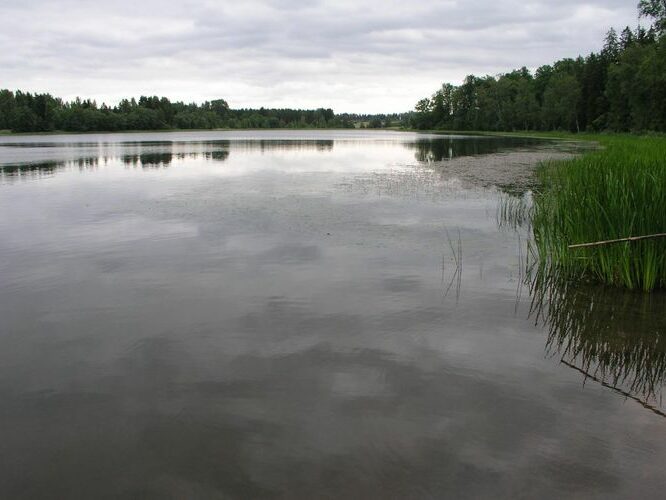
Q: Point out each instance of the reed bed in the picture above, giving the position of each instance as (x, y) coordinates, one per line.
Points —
(611, 193)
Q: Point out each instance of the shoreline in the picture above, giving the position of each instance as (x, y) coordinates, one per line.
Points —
(7, 133)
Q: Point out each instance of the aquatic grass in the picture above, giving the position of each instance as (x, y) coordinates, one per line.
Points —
(513, 212)
(615, 192)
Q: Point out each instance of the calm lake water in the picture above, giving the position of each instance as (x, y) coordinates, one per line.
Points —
(306, 315)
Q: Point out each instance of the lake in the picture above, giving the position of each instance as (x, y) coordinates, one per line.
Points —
(307, 314)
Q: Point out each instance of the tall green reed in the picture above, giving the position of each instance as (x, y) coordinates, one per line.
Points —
(615, 192)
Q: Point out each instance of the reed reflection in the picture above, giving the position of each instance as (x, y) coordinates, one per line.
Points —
(616, 337)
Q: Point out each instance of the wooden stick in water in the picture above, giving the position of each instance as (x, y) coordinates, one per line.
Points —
(620, 240)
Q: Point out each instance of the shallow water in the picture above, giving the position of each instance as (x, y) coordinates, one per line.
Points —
(303, 315)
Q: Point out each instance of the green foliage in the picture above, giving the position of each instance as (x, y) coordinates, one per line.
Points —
(622, 88)
(616, 192)
(375, 123)
(25, 112)
(560, 102)
(636, 89)
(656, 9)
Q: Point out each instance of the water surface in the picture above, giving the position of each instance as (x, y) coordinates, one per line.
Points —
(306, 315)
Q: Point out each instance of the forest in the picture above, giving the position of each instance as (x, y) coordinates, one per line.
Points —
(621, 88)
(27, 112)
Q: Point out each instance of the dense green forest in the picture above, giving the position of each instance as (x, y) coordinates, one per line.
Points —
(26, 112)
(622, 88)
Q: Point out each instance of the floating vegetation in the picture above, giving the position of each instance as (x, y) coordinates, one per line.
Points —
(617, 192)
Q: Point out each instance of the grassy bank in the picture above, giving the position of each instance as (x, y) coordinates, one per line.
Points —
(615, 192)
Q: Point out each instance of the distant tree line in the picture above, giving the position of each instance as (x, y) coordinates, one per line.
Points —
(27, 112)
(621, 88)
(381, 120)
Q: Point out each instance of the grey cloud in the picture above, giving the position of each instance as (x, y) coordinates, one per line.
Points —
(370, 56)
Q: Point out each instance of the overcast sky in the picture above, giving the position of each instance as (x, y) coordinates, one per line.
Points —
(351, 55)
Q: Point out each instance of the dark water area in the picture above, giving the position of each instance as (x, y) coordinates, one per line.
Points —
(298, 314)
